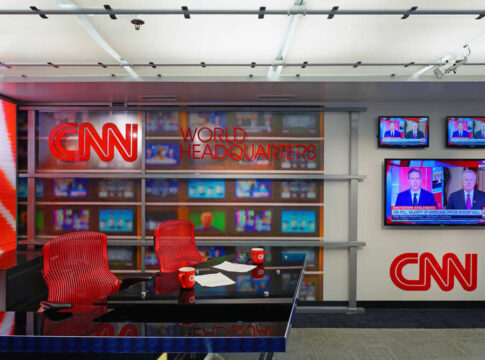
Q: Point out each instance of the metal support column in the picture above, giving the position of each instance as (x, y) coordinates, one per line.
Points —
(143, 193)
(353, 210)
(31, 218)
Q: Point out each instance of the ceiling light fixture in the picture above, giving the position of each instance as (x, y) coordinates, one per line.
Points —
(138, 22)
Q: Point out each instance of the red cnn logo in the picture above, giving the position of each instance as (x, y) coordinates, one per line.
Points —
(428, 267)
(89, 138)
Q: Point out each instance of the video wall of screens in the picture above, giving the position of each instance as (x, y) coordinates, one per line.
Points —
(244, 220)
(234, 140)
(229, 190)
(59, 146)
(465, 131)
(59, 219)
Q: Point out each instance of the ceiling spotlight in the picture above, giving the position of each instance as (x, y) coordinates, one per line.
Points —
(138, 22)
(451, 63)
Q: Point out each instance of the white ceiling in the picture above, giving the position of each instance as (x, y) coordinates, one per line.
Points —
(238, 39)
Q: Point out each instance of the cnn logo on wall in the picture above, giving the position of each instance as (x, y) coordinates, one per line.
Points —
(429, 269)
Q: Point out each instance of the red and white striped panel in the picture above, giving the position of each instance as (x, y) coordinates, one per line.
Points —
(7, 175)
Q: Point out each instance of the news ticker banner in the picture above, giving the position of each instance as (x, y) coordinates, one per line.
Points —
(427, 213)
(7, 175)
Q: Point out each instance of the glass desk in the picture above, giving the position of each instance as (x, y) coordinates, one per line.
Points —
(155, 316)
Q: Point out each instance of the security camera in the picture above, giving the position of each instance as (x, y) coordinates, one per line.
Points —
(450, 65)
(138, 22)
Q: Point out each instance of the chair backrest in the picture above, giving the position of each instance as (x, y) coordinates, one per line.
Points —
(76, 268)
(175, 245)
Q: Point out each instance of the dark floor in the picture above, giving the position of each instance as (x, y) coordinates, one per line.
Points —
(398, 318)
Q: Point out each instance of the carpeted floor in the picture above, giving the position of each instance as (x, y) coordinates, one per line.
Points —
(397, 319)
(385, 344)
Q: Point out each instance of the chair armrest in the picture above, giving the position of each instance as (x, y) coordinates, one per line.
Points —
(133, 279)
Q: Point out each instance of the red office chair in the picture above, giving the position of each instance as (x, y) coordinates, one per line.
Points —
(76, 269)
(175, 245)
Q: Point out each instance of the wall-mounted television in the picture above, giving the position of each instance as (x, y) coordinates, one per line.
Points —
(254, 122)
(116, 220)
(298, 189)
(71, 219)
(298, 221)
(162, 188)
(120, 189)
(403, 131)
(292, 159)
(207, 119)
(22, 188)
(151, 258)
(253, 220)
(208, 221)
(155, 218)
(162, 154)
(162, 122)
(253, 189)
(206, 189)
(72, 188)
(119, 256)
(434, 192)
(465, 131)
(300, 123)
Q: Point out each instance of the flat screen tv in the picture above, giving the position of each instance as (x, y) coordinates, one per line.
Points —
(299, 189)
(253, 189)
(162, 188)
(162, 121)
(119, 189)
(208, 221)
(465, 131)
(403, 131)
(162, 154)
(22, 188)
(290, 160)
(71, 188)
(253, 220)
(120, 256)
(71, 219)
(207, 119)
(206, 189)
(298, 221)
(434, 192)
(155, 218)
(254, 122)
(116, 220)
(300, 123)
(151, 258)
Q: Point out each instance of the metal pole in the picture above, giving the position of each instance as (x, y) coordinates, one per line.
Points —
(143, 193)
(31, 155)
(353, 213)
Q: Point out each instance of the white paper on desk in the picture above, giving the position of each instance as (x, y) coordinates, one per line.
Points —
(231, 267)
(213, 280)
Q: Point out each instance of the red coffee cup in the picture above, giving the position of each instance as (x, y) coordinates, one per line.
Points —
(258, 272)
(187, 277)
(187, 296)
(257, 255)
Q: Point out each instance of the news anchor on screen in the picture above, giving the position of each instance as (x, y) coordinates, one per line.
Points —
(481, 133)
(415, 195)
(414, 133)
(460, 132)
(467, 198)
(392, 132)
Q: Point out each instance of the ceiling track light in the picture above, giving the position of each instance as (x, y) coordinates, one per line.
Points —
(407, 13)
(111, 14)
(262, 11)
(5, 65)
(480, 16)
(409, 64)
(36, 10)
(357, 64)
(185, 10)
(305, 63)
(332, 13)
(102, 65)
(152, 64)
(253, 64)
(202, 63)
(53, 65)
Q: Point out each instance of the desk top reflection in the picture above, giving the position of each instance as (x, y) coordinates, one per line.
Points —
(269, 283)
